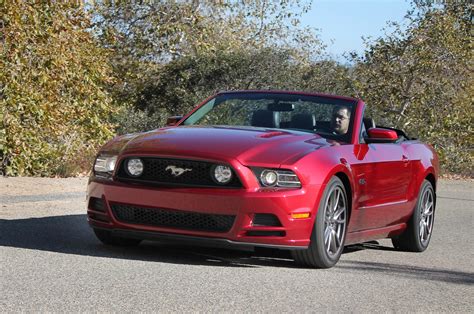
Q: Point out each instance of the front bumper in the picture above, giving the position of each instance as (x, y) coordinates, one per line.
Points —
(242, 203)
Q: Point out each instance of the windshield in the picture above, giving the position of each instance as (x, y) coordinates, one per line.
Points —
(329, 117)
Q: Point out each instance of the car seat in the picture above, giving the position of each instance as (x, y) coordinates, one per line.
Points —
(303, 121)
(266, 119)
(369, 123)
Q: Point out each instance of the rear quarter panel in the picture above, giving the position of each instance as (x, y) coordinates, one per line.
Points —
(425, 162)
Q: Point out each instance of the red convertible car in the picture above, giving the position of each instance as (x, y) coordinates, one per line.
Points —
(304, 172)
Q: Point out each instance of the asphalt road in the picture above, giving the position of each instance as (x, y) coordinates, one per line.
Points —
(51, 261)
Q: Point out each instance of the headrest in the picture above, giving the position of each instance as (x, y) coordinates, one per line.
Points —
(266, 119)
(369, 123)
(303, 121)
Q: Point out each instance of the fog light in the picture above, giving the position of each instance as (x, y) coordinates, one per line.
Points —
(269, 177)
(135, 167)
(222, 174)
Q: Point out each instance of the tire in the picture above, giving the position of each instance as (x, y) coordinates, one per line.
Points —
(416, 237)
(107, 238)
(329, 230)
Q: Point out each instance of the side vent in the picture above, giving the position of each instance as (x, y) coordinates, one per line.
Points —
(97, 204)
(97, 210)
(266, 220)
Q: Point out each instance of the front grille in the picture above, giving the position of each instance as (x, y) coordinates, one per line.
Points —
(172, 219)
(198, 173)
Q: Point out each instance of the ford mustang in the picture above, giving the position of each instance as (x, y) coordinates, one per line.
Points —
(298, 171)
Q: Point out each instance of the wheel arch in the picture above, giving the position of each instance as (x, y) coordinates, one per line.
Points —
(432, 179)
(430, 176)
(326, 167)
(344, 173)
(347, 185)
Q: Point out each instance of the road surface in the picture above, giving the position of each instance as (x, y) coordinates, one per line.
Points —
(51, 261)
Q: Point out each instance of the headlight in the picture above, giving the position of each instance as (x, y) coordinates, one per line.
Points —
(221, 174)
(135, 167)
(105, 164)
(276, 177)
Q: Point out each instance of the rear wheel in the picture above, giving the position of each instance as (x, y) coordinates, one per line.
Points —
(418, 233)
(329, 231)
(106, 237)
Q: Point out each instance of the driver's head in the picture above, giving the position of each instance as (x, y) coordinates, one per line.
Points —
(340, 119)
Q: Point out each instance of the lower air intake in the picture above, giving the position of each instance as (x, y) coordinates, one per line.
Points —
(266, 220)
(96, 204)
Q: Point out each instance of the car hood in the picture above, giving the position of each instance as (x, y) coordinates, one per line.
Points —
(248, 145)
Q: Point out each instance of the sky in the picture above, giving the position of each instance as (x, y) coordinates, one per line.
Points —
(342, 23)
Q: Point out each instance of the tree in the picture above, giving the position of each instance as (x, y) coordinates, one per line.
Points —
(419, 78)
(148, 35)
(54, 105)
(180, 84)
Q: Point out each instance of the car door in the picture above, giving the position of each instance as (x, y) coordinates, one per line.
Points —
(383, 188)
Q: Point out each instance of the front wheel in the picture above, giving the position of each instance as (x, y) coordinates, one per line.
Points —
(418, 233)
(329, 231)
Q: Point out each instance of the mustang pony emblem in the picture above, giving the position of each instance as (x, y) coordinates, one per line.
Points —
(176, 171)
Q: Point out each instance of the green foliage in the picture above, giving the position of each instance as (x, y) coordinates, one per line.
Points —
(179, 85)
(60, 74)
(55, 110)
(170, 55)
(146, 36)
(420, 79)
(131, 120)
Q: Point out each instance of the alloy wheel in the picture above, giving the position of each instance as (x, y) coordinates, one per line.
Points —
(335, 221)
(426, 216)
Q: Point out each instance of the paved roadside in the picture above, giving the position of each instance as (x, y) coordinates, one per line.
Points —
(51, 261)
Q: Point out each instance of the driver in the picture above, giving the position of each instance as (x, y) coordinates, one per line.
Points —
(340, 120)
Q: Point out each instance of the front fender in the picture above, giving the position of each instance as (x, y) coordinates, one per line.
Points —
(317, 169)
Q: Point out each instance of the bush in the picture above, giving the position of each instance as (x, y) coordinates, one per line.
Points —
(131, 120)
(55, 109)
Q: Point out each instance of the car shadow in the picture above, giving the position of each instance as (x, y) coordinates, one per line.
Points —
(370, 245)
(70, 234)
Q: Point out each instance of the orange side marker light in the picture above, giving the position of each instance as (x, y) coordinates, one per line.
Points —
(300, 215)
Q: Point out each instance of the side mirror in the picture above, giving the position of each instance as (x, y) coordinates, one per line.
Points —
(173, 120)
(379, 135)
